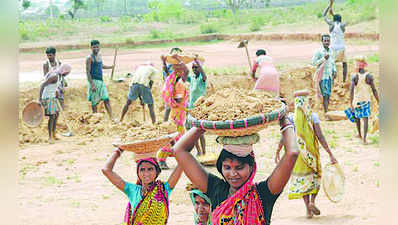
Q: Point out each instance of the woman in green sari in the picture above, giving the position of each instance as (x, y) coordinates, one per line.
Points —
(306, 176)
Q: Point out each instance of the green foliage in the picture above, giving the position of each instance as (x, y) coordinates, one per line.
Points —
(125, 19)
(192, 16)
(169, 10)
(55, 9)
(373, 58)
(156, 34)
(356, 11)
(209, 28)
(26, 4)
(256, 23)
(173, 13)
(105, 19)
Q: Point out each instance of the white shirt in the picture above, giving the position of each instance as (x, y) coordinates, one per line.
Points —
(144, 74)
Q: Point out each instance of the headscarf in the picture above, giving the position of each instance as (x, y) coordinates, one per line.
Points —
(302, 103)
(155, 202)
(192, 194)
(151, 160)
(243, 207)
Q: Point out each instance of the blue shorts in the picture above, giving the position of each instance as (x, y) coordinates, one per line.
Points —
(326, 87)
(361, 111)
(142, 92)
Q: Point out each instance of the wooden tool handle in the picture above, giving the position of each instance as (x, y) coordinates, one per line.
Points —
(114, 63)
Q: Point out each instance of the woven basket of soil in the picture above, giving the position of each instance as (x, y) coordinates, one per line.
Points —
(146, 146)
(33, 114)
(231, 112)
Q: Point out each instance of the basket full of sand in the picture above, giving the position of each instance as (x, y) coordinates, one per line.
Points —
(232, 112)
(147, 139)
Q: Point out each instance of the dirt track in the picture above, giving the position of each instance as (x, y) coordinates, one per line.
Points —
(63, 184)
(219, 55)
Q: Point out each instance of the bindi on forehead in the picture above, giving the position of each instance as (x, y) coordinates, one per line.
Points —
(199, 199)
(232, 163)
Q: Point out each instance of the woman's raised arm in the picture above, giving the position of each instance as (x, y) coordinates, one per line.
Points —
(189, 164)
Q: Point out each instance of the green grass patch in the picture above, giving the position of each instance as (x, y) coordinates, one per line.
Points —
(373, 58)
(51, 180)
(26, 169)
(333, 143)
(374, 140)
(75, 204)
(209, 28)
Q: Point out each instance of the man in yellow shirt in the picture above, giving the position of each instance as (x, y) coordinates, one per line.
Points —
(140, 87)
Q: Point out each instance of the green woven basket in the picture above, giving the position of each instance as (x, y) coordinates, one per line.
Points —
(235, 128)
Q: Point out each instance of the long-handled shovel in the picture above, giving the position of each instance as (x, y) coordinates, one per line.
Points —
(69, 133)
(243, 44)
(114, 64)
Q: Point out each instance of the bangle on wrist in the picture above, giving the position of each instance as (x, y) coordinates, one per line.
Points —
(286, 127)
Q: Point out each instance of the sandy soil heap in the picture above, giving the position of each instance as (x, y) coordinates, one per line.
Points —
(234, 104)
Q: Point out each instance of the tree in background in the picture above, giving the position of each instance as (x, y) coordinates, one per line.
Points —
(76, 5)
(235, 4)
(99, 5)
(267, 3)
(26, 4)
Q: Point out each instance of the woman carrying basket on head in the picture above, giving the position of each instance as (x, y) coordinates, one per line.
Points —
(175, 94)
(149, 197)
(306, 177)
(236, 199)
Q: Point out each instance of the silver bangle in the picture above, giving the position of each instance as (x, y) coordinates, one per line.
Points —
(288, 126)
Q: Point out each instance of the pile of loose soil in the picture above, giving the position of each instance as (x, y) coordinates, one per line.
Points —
(147, 131)
(234, 104)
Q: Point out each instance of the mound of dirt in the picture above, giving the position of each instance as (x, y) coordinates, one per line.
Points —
(227, 91)
(234, 104)
(147, 131)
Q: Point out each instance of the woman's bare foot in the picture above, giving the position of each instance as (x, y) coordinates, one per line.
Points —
(309, 214)
(364, 142)
(314, 210)
(359, 136)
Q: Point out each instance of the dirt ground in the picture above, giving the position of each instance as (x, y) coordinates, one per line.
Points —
(62, 183)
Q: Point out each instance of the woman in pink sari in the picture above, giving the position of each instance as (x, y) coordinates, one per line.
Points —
(268, 78)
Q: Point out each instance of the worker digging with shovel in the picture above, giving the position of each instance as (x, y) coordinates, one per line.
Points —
(268, 78)
(140, 87)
